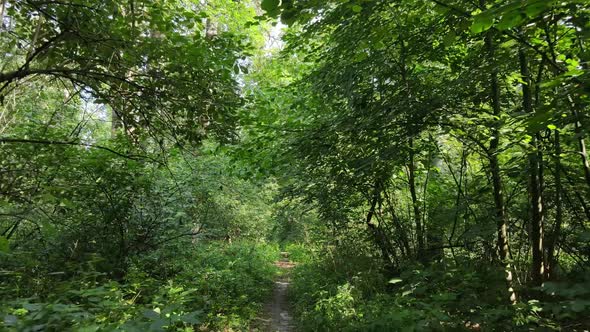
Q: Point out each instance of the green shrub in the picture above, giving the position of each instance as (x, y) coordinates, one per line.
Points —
(345, 291)
(214, 285)
(299, 253)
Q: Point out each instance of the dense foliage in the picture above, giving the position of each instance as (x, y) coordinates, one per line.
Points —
(442, 145)
(423, 162)
(119, 207)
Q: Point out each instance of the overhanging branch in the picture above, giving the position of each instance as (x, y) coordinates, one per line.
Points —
(4, 140)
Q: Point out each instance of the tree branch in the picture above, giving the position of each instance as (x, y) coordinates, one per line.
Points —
(72, 143)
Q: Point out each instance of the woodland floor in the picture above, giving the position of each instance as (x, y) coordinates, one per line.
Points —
(277, 311)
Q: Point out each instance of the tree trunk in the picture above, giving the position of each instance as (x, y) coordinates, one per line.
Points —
(116, 123)
(432, 232)
(210, 29)
(555, 234)
(583, 152)
(535, 190)
(499, 210)
(411, 165)
(2, 9)
(378, 236)
(415, 203)
(401, 231)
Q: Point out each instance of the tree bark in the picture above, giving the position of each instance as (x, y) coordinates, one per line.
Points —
(583, 152)
(432, 231)
(535, 190)
(377, 233)
(551, 261)
(411, 166)
(415, 203)
(403, 236)
(500, 210)
(2, 9)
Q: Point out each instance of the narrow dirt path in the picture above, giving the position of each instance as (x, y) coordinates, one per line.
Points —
(278, 309)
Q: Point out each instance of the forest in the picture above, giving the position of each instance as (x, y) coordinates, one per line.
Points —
(294, 165)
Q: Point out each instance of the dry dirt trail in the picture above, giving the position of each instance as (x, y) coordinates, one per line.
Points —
(278, 314)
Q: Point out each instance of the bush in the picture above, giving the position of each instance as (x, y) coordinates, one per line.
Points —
(214, 285)
(344, 290)
(299, 253)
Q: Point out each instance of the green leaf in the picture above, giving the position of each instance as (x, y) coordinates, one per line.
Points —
(551, 83)
(584, 236)
(508, 44)
(579, 305)
(191, 318)
(441, 9)
(32, 306)
(360, 57)
(4, 246)
(510, 20)
(449, 39)
(536, 9)
(574, 72)
(10, 320)
(357, 8)
(380, 45)
(158, 325)
(270, 6)
(395, 281)
(288, 16)
(151, 314)
(481, 23)
(539, 121)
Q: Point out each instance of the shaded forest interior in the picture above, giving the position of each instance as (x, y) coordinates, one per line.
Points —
(423, 164)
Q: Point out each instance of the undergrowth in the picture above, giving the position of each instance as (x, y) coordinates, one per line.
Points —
(185, 287)
(344, 289)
